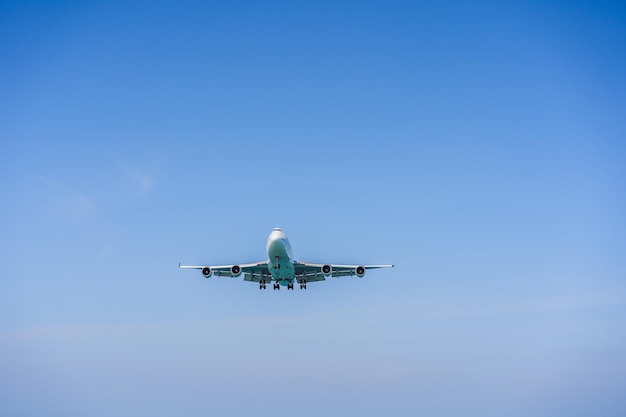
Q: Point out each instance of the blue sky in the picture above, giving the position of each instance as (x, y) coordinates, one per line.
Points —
(479, 147)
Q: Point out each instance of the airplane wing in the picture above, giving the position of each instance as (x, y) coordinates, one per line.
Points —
(318, 272)
(309, 272)
(256, 271)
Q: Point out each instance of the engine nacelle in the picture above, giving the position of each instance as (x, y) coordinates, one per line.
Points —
(359, 271)
(206, 271)
(235, 270)
(327, 270)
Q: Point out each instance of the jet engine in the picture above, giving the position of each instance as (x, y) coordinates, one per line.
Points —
(235, 270)
(206, 271)
(360, 271)
(327, 270)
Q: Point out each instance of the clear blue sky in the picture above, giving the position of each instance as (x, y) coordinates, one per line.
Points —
(479, 146)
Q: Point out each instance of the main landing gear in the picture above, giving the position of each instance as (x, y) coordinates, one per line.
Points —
(276, 285)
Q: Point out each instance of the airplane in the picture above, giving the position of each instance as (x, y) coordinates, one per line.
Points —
(282, 268)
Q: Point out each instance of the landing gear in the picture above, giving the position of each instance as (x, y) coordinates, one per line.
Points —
(290, 286)
(262, 284)
(277, 286)
(302, 284)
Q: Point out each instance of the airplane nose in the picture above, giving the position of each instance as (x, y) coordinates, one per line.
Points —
(275, 243)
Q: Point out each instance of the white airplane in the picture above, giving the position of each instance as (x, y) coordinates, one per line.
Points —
(282, 268)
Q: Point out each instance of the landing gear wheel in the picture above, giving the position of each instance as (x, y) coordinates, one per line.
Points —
(290, 286)
(277, 286)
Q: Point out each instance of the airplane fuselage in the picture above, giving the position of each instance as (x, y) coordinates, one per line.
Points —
(280, 257)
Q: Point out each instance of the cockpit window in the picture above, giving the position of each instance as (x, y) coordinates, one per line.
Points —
(278, 229)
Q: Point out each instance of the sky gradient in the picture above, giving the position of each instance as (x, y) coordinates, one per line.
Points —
(479, 147)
